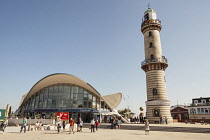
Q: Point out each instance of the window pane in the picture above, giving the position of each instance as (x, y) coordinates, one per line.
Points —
(59, 100)
(55, 89)
(86, 97)
(89, 104)
(74, 104)
(98, 105)
(102, 104)
(66, 96)
(49, 101)
(66, 89)
(74, 90)
(33, 101)
(60, 89)
(40, 100)
(90, 96)
(54, 97)
(80, 104)
(80, 97)
(94, 105)
(74, 97)
(80, 90)
(46, 90)
(50, 89)
(94, 98)
(36, 101)
(45, 100)
(85, 104)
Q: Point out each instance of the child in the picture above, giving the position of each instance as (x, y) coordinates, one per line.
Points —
(146, 127)
(96, 124)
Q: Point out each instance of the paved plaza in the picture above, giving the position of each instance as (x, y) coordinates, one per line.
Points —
(158, 132)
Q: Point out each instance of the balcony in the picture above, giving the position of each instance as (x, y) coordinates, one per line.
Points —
(161, 60)
(151, 21)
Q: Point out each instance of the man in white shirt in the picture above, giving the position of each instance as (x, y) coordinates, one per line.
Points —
(92, 127)
(36, 126)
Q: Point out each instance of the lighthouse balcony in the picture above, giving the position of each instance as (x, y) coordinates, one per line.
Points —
(159, 60)
(151, 21)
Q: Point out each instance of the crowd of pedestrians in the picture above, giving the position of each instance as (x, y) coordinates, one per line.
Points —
(78, 125)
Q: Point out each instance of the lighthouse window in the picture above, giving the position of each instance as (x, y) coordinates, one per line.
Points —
(154, 90)
(150, 45)
(146, 17)
(152, 57)
(150, 33)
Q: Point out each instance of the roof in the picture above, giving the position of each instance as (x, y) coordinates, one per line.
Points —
(113, 100)
(23, 97)
(58, 78)
(201, 98)
(149, 10)
(179, 107)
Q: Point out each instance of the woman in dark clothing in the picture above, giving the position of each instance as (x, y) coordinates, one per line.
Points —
(64, 124)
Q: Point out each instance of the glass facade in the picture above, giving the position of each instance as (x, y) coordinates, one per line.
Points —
(62, 97)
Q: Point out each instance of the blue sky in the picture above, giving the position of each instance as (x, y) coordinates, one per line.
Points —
(100, 42)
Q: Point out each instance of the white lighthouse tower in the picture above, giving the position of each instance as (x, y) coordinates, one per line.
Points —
(154, 65)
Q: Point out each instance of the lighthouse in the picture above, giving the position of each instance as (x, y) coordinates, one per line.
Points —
(154, 65)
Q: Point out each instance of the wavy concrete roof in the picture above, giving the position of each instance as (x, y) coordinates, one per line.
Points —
(23, 97)
(113, 100)
(59, 78)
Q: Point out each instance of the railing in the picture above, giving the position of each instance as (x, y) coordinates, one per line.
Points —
(151, 21)
(162, 60)
(200, 104)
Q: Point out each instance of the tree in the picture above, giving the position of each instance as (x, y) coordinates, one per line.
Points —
(122, 112)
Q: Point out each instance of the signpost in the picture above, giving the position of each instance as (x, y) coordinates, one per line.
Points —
(2, 114)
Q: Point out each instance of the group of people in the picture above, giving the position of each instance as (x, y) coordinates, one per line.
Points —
(115, 123)
(4, 124)
(76, 126)
(163, 120)
(79, 125)
(94, 124)
(38, 126)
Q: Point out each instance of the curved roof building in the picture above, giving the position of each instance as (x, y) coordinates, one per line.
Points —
(66, 93)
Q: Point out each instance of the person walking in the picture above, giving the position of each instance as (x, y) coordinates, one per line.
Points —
(161, 120)
(81, 125)
(71, 128)
(4, 124)
(96, 124)
(92, 125)
(166, 120)
(59, 125)
(119, 123)
(146, 127)
(78, 124)
(23, 125)
(64, 124)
